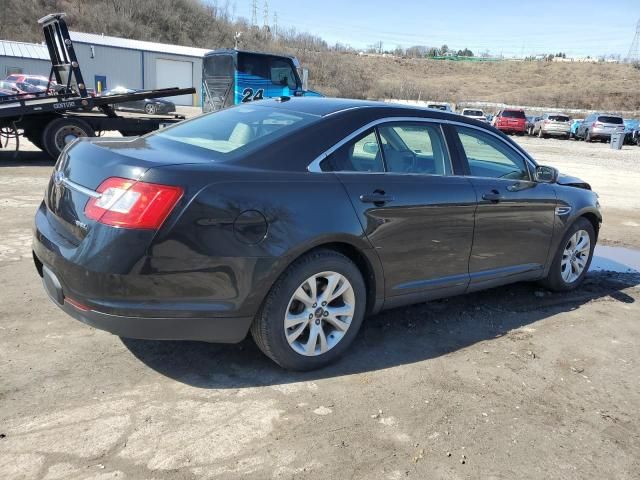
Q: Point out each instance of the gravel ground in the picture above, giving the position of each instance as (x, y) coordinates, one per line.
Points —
(510, 383)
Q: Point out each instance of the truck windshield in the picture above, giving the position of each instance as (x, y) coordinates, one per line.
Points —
(234, 128)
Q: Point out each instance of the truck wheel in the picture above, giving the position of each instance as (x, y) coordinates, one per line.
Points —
(312, 313)
(62, 131)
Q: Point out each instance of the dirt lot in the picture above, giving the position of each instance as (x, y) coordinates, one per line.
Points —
(510, 383)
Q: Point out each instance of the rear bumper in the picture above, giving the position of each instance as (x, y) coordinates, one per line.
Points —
(213, 329)
(556, 131)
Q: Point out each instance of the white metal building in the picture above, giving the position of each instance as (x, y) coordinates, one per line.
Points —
(109, 62)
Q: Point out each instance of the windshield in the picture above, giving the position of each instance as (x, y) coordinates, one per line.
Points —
(607, 119)
(231, 129)
(513, 114)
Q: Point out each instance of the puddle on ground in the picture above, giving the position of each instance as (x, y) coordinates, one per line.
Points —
(615, 259)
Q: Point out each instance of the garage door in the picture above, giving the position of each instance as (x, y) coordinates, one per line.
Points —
(175, 73)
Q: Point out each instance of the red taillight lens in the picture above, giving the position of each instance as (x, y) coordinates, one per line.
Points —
(126, 203)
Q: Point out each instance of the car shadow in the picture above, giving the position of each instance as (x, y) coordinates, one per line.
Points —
(35, 158)
(392, 338)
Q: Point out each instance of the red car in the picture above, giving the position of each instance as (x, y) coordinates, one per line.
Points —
(510, 121)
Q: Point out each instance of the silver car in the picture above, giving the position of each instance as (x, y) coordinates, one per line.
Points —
(553, 124)
(599, 126)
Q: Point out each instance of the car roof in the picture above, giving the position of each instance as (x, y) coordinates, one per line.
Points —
(324, 106)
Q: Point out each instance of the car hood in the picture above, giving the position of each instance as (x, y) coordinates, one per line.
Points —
(569, 181)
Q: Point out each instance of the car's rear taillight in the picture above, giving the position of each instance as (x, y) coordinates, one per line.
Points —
(127, 203)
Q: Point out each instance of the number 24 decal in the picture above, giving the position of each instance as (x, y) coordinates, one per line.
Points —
(248, 95)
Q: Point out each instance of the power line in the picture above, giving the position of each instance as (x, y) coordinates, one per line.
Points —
(634, 51)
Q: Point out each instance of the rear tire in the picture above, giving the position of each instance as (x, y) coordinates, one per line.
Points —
(565, 273)
(62, 131)
(305, 343)
(587, 136)
(150, 109)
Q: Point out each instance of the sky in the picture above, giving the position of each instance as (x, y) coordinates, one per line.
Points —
(510, 28)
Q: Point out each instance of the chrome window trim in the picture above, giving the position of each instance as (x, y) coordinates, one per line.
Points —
(314, 166)
(79, 188)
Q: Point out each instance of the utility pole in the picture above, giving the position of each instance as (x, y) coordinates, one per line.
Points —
(634, 51)
(254, 13)
(265, 20)
(275, 24)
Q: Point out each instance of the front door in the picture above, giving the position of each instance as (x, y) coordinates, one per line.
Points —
(417, 215)
(515, 215)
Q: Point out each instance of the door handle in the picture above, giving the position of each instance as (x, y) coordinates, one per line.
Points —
(376, 198)
(492, 196)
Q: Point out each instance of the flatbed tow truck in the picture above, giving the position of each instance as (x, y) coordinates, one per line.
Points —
(52, 120)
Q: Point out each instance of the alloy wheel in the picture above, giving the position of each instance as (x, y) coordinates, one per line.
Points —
(319, 313)
(575, 256)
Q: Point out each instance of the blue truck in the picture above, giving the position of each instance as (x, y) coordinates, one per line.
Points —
(231, 77)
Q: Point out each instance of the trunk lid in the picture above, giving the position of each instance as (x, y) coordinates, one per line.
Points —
(87, 163)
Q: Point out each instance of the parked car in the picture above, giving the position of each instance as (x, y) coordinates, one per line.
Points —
(294, 219)
(575, 123)
(553, 124)
(630, 126)
(474, 113)
(531, 120)
(151, 106)
(510, 121)
(635, 137)
(35, 80)
(445, 107)
(599, 126)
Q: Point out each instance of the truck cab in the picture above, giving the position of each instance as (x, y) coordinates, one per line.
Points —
(231, 77)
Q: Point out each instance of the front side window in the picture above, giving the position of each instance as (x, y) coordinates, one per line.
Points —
(361, 154)
(414, 148)
(488, 156)
(282, 73)
(231, 129)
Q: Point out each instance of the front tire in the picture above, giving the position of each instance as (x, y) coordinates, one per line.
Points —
(312, 313)
(573, 258)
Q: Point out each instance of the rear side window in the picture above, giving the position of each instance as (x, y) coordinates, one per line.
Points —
(361, 154)
(513, 114)
(607, 119)
(414, 148)
(491, 157)
(231, 129)
(558, 118)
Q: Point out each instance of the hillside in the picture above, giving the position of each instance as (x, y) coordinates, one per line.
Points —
(190, 22)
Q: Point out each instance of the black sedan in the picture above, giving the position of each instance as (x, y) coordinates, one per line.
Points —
(151, 106)
(296, 218)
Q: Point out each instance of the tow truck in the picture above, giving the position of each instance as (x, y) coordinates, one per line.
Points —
(231, 77)
(56, 117)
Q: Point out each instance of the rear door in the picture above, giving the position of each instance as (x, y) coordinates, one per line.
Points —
(515, 215)
(417, 215)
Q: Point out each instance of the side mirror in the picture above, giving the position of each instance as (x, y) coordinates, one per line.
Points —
(305, 79)
(370, 148)
(546, 174)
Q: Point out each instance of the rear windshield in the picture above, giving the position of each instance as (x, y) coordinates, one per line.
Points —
(437, 107)
(513, 114)
(558, 118)
(229, 130)
(607, 119)
(473, 113)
